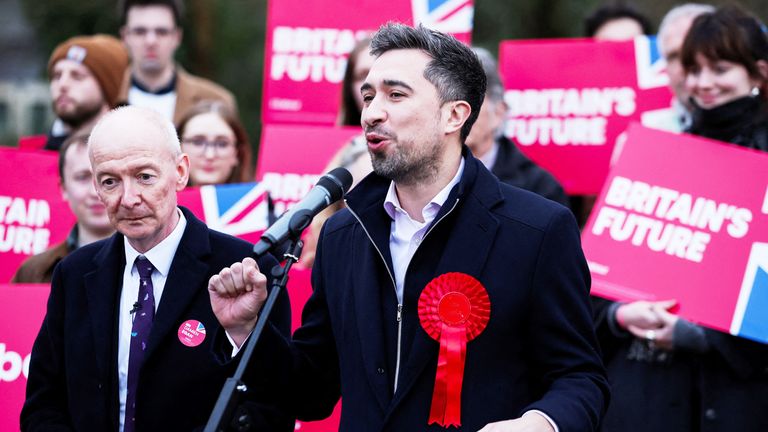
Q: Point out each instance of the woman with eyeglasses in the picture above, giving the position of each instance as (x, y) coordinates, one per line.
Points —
(217, 145)
(666, 373)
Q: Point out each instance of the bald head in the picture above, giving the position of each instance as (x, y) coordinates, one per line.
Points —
(135, 124)
(138, 167)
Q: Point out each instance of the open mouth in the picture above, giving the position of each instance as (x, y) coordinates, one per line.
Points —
(376, 141)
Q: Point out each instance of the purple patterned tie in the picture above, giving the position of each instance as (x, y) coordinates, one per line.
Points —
(142, 323)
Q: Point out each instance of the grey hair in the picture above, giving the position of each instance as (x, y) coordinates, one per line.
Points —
(495, 86)
(685, 10)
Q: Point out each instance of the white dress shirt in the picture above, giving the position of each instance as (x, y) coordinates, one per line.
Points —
(161, 257)
(406, 233)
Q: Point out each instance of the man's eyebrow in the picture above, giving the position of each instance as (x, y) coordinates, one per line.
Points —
(388, 83)
(397, 83)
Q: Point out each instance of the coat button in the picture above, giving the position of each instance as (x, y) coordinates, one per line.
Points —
(380, 370)
(710, 414)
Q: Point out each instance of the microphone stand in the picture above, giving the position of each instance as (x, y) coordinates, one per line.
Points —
(222, 416)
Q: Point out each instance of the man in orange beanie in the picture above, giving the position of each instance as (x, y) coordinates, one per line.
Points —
(85, 73)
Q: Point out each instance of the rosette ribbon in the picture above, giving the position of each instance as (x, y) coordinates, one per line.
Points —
(454, 308)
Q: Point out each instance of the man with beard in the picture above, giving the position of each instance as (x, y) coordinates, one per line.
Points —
(86, 73)
(151, 30)
(441, 297)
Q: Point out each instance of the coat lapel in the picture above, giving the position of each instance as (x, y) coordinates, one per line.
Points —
(102, 288)
(187, 275)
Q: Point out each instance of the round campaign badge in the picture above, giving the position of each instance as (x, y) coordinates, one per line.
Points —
(191, 333)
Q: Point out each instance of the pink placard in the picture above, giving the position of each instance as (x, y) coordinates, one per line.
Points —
(292, 158)
(569, 101)
(33, 216)
(685, 218)
(307, 45)
(22, 308)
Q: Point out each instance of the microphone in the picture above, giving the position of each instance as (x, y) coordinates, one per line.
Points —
(329, 189)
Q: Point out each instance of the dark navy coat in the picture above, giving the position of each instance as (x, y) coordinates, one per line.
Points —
(538, 351)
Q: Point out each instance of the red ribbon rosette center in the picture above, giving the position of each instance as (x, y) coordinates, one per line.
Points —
(453, 309)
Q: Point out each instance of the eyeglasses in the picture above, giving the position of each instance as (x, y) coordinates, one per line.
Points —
(200, 144)
(160, 32)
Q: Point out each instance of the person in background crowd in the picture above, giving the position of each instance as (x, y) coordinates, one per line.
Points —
(85, 74)
(354, 155)
(432, 224)
(500, 155)
(217, 145)
(672, 30)
(616, 23)
(725, 58)
(76, 183)
(608, 23)
(152, 32)
(126, 340)
(666, 373)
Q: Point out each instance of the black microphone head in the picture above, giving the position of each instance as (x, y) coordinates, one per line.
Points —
(337, 183)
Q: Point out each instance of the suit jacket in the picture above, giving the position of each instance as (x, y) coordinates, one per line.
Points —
(514, 168)
(538, 351)
(190, 89)
(73, 383)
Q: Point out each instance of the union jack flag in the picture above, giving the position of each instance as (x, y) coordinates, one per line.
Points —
(448, 16)
(241, 210)
(651, 66)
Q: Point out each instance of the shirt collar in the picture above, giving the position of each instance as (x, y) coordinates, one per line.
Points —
(392, 203)
(168, 88)
(161, 256)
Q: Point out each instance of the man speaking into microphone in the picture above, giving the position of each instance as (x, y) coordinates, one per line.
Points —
(441, 297)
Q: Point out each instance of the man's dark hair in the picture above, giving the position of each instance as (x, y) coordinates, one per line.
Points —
(81, 139)
(608, 13)
(454, 69)
(176, 7)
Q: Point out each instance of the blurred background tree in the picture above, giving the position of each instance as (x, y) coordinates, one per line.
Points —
(224, 39)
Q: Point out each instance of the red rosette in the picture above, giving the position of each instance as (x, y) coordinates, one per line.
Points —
(454, 308)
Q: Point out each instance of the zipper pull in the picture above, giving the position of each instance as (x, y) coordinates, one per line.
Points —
(399, 313)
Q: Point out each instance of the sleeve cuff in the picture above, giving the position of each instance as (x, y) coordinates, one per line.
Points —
(546, 417)
(236, 349)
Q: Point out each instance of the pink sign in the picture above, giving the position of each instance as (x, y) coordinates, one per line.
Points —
(22, 308)
(569, 101)
(292, 159)
(33, 215)
(679, 219)
(307, 45)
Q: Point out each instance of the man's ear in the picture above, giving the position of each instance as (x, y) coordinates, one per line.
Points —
(457, 114)
(182, 172)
